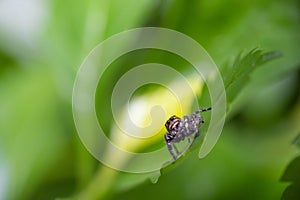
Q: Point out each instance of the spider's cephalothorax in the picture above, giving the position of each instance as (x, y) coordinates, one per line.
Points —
(179, 128)
(172, 124)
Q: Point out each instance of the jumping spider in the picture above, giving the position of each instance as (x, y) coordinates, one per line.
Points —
(179, 128)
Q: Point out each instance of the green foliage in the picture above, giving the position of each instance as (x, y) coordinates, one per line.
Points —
(237, 75)
(41, 156)
(292, 175)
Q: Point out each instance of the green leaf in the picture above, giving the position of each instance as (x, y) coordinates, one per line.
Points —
(291, 174)
(237, 76)
(292, 192)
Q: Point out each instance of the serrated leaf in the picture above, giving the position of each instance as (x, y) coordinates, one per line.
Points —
(237, 76)
(291, 174)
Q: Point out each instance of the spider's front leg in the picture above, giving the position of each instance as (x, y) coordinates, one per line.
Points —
(168, 139)
(202, 110)
(197, 133)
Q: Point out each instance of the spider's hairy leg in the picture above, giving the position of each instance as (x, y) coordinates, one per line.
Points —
(197, 133)
(170, 145)
(176, 150)
(189, 139)
(203, 110)
(170, 148)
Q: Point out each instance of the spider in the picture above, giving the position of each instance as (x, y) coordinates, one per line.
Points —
(179, 128)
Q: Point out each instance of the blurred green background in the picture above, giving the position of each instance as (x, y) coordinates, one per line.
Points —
(42, 44)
